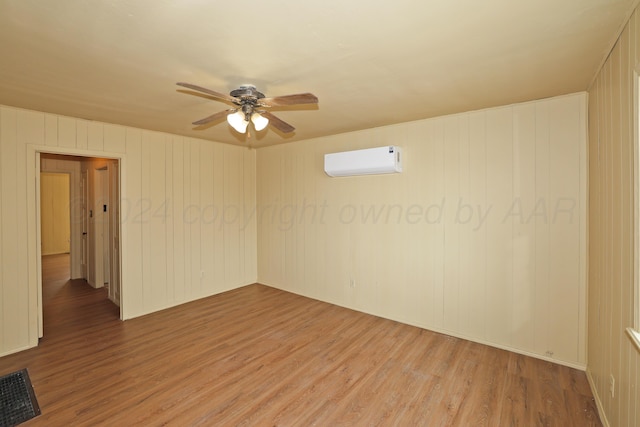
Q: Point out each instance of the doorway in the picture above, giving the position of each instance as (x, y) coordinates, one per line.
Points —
(92, 221)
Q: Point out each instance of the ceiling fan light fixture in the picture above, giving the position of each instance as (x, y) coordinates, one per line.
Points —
(259, 121)
(237, 121)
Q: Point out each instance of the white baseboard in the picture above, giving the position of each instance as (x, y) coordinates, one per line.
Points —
(570, 364)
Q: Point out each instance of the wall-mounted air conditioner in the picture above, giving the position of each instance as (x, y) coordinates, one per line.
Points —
(364, 162)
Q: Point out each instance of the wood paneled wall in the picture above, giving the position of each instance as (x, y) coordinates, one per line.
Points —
(483, 236)
(186, 213)
(612, 149)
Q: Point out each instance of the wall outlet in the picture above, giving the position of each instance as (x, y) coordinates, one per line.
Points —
(352, 283)
(612, 385)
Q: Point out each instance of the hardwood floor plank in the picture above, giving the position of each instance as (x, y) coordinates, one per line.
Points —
(488, 385)
(259, 356)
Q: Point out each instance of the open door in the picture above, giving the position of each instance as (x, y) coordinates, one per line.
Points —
(104, 242)
(114, 236)
(84, 192)
(103, 210)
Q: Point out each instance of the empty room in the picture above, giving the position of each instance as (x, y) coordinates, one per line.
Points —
(320, 213)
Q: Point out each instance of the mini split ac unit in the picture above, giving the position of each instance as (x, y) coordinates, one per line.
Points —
(364, 162)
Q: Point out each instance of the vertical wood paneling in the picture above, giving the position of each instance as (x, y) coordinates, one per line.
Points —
(627, 294)
(3, 125)
(477, 210)
(286, 217)
(523, 230)
(451, 296)
(155, 219)
(169, 249)
(235, 221)
(188, 216)
(617, 335)
(250, 217)
(67, 132)
(218, 212)
(22, 249)
(612, 286)
(565, 222)
(197, 272)
(31, 127)
(82, 134)
(231, 191)
(207, 231)
(453, 243)
(162, 252)
(30, 131)
(414, 268)
(10, 275)
(465, 230)
(594, 233)
(437, 221)
(628, 382)
(51, 130)
(95, 136)
(299, 242)
(634, 361)
(178, 204)
(499, 245)
(131, 210)
(114, 139)
(583, 206)
(539, 217)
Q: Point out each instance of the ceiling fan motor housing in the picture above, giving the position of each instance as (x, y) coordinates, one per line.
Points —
(247, 91)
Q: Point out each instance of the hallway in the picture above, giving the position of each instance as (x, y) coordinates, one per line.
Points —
(66, 303)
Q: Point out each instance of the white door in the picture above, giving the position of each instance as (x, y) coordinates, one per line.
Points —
(96, 225)
(114, 226)
(84, 190)
(106, 235)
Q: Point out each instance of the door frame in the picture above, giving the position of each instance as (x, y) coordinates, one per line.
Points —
(34, 237)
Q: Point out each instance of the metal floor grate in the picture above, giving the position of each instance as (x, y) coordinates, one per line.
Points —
(17, 400)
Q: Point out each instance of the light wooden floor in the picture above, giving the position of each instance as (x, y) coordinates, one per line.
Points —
(259, 356)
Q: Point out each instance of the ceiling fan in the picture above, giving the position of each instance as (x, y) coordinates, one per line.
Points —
(249, 107)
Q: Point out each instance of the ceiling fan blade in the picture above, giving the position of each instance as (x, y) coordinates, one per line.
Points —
(277, 123)
(210, 92)
(282, 101)
(213, 117)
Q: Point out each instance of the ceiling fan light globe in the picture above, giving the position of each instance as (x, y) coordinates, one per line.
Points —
(238, 122)
(259, 121)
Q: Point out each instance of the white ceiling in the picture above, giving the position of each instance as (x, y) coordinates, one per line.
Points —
(370, 62)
